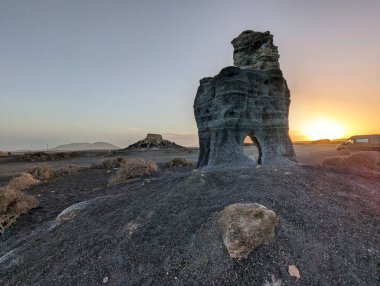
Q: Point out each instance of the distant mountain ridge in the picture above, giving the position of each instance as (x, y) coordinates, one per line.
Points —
(86, 146)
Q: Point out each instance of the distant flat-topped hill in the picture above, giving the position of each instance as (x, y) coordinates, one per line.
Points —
(86, 146)
(153, 141)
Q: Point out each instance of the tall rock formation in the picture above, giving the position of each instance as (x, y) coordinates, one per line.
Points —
(251, 99)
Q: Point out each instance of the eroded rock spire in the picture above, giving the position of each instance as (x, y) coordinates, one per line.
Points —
(251, 99)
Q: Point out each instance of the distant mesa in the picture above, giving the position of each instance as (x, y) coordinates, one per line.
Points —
(153, 141)
(321, 141)
(86, 146)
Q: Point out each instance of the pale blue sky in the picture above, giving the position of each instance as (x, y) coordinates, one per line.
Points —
(85, 71)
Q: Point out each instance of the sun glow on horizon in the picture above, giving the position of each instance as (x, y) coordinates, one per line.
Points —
(324, 128)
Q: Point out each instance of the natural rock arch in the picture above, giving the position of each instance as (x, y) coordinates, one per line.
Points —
(252, 99)
(255, 143)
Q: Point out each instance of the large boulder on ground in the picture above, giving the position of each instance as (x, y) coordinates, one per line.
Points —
(245, 227)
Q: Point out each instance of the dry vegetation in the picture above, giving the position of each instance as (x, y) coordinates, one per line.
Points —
(133, 169)
(43, 156)
(13, 203)
(43, 173)
(23, 182)
(364, 160)
(179, 162)
(114, 163)
(69, 170)
(3, 154)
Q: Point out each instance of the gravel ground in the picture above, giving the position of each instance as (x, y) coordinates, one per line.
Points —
(163, 230)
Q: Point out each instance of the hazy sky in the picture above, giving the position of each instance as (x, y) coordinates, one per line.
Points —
(97, 70)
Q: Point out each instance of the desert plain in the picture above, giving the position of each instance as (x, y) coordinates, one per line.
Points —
(161, 229)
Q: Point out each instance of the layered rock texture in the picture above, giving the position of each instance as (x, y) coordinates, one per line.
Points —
(250, 99)
(153, 141)
(245, 227)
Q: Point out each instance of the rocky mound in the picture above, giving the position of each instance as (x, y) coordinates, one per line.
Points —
(321, 141)
(153, 141)
(165, 232)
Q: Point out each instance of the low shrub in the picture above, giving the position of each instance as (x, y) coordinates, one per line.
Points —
(134, 168)
(367, 160)
(344, 152)
(4, 154)
(23, 182)
(70, 170)
(43, 173)
(13, 203)
(113, 163)
(179, 162)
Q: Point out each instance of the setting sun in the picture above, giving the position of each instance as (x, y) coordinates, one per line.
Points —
(324, 129)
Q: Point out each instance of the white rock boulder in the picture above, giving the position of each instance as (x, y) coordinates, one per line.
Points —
(246, 226)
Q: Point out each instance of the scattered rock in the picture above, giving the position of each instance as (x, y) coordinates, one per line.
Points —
(274, 282)
(245, 226)
(71, 212)
(294, 272)
(179, 162)
(105, 280)
(250, 99)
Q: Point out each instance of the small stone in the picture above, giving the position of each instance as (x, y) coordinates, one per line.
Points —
(275, 282)
(294, 272)
(287, 173)
(245, 226)
(105, 280)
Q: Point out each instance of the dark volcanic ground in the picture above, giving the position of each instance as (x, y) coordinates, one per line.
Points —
(164, 231)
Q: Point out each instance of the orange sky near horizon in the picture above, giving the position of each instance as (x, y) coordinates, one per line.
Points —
(331, 104)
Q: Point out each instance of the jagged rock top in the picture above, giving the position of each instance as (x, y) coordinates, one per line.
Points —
(152, 136)
(255, 51)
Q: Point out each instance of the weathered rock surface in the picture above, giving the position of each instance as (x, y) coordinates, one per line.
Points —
(72, 211)
(251, 99)
(255, 51)
(245, 227)
(153, 141)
